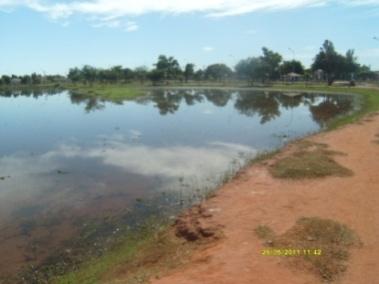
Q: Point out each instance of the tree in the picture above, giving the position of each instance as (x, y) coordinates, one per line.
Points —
(169, 67)
(351, 66)
(243, 69)
(254, 69)
(218, 71)
(6, 79)
(199, 75)
(329, 61)
(271, 61)
(291, 66)
(128, 74)
(117, 73)
(140, 73)
(74, 74)
(89, 73)
(260, 68)
(189, 71)
(156, 75)
(364, 73)
(26, 79)
(36, 79)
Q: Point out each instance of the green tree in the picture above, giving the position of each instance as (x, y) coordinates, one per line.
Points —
(156, 75)
(189, 71)
(128, 74)
(291, 66)
(26, 79)
(199, 75)
(6, 79)
(117, 73)
(253, 69)
(271, 61)
(74, 74)
(260, 68)
(218, 71)
(89, 73)
(169, 67)
(365, 73)
(351, 65)
(244, 69)
(36, 79)
(330, 61)
(141, 73)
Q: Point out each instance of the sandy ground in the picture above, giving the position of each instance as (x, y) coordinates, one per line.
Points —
(255, 198)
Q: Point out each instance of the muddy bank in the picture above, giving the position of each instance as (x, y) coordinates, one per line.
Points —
(255, 198)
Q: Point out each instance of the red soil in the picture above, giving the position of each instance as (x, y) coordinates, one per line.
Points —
(255, 198)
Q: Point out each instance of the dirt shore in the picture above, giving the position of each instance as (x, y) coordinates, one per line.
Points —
(256, 198)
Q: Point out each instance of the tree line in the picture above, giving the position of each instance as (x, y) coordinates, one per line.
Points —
(270, 66)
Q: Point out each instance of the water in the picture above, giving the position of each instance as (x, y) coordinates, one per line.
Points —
(67, 160)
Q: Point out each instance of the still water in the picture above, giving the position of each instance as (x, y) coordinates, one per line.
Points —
(67, 160)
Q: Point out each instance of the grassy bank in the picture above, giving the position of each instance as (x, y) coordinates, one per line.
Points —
(141, 255)
(111, 92)
(30, 87)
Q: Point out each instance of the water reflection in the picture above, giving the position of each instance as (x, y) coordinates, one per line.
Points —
(61, 166)
(265, 105)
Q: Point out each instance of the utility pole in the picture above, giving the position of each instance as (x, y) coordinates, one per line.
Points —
(293, 53)
(293, 58)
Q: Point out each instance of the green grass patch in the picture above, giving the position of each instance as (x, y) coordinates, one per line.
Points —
(263, 156)
(333, 239)
(111, 92)
(308, 160)
(136, 259)
(264, 232)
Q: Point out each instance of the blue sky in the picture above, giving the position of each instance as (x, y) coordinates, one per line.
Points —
(52, 36)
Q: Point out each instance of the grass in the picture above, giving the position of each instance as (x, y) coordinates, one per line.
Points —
(264, 232)
(309, 160)
(263, 156)
(377, 139)
(333, 239)
(135, 260)
(29, 87)
(111, 92)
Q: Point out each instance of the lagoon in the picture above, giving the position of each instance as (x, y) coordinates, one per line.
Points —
(68, 161)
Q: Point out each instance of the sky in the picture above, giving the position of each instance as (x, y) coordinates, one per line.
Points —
(46, 36)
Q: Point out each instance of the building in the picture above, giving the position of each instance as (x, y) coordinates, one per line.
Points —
(292, 77)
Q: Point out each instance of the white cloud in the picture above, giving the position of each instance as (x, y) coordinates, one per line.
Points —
(208, 48)
(113, 22)
(251, 32)
(116, 9)
(131, 26)
(120, 8)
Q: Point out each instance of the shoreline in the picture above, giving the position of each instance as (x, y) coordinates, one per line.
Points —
(194, 271)
(247, 201)
(352, 118)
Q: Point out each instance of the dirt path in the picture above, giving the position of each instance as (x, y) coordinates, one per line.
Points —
(255, 198)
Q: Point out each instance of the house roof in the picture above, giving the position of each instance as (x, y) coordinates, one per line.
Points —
(293, 74)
